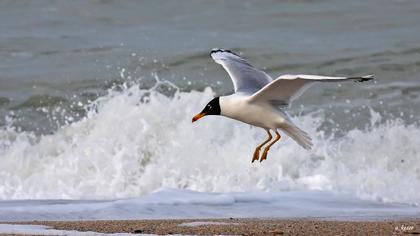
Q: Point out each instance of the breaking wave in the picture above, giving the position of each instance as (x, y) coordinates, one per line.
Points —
(135, 141)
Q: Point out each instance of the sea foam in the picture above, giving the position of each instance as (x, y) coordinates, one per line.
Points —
(133, 142)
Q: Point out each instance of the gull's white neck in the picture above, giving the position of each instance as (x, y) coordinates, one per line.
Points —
(230, 105)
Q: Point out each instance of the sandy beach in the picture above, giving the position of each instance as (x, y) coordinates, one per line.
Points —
(234, 226)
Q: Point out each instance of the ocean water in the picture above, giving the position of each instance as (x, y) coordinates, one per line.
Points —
(96, 100)
(185, 204)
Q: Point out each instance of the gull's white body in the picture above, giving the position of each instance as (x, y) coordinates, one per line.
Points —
(240, 107)
(261, 101)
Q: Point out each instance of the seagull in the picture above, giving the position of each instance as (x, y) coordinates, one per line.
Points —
(260, 101)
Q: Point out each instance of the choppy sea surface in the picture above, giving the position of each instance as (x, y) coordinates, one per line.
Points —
(96, 100)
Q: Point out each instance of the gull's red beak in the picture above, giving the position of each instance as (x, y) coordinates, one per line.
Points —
(198, 116)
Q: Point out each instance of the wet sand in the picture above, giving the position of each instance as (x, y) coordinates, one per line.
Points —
(233, 226)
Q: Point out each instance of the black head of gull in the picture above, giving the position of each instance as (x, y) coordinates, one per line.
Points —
(212, 108)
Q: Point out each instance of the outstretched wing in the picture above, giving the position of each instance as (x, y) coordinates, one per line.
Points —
(245, 77)
(286, 88)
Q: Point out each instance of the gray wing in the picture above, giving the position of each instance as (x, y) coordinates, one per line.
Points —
(245, 77)
(286, 88)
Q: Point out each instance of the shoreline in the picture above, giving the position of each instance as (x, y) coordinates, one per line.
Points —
(243, 226)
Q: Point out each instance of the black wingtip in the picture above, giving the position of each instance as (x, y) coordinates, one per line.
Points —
(365, 78)
(214, 50)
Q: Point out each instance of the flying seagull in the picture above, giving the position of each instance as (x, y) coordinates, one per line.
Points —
(261, 101)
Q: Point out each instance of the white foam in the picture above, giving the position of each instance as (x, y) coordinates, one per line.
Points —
(45, 230)
(203, 223)
(128, 148)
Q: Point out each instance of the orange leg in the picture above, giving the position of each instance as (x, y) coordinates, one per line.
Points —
(266, 149)
(257, 150)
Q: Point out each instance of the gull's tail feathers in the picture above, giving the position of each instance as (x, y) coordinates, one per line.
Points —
(300, 136)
